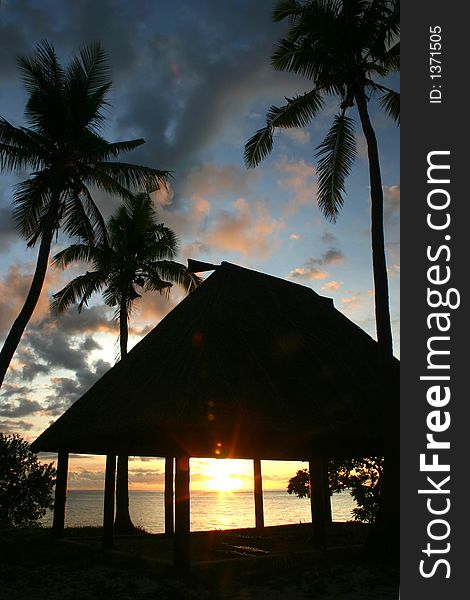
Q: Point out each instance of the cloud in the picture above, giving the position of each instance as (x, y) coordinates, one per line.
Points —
(330, 257)
(65, 390)
(331, 286)
(9, 390)
(20, 409)
(295, 236)
(391, 205)
(15, 426)
(357, 301)
(393, 259)
(219, 225)
(86, 478)
(247, 229)
(152, 308)
(14, 289)
(48, 347)
(213, 181)
(307, 273)
(53, 346)
(8, 233)
(297, 178)
(298, 136)
(312, 267)
(328, 238)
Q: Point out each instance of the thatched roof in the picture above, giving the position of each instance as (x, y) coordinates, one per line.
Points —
(248, 365)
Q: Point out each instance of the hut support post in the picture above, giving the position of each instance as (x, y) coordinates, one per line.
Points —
(108, 513)
(169, 510)
(181, 543)
(259, 512)
(317, 496)
(60, 495)
(327, 499)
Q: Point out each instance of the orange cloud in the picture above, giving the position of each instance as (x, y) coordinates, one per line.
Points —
(248, 229)
(214, 181)
(297, 178)
(310, 273)
(391, 203)
(357, 301)
(15, 287)
(331, 286)
(152, 307)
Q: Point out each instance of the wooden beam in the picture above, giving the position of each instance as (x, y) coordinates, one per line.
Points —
(169, 496)
(60, 497)
(317, 502)
(327, 498)
(108, 512)
(259, 512)
(182, 557)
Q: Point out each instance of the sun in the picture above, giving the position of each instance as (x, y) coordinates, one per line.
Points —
(222, 475)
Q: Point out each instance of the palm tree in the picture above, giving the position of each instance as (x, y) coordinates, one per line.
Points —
(340, 46)
(139, 254)
(66, 154)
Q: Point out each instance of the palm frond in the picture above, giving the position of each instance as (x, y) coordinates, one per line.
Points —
(100, 179)
(298, 112)
(94, 215)
(132, 176)
(20, 148)
(87, 84)
(44, 79)
(76, 220)
(259, 146)
(172, 272)
(295, 58)
(95, 65)
(166, 244)
(72, 254)
(79, 290)
(100, 149)
(391, 59)
(30, 205)
(336, 155)
(41, 71)
(15, 160)
(390, 102)
(287, 9)
(82, 218)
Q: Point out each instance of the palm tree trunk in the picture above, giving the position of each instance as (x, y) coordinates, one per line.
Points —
(123, 523)
(382, 304)
(123, 328)
(18, 327)
(384, 534)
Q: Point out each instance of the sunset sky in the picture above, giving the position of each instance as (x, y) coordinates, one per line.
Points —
(194, 80)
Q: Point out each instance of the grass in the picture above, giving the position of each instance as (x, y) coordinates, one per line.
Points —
(236, 564)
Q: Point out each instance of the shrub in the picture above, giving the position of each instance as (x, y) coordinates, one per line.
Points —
(25, 484)
(361, 476)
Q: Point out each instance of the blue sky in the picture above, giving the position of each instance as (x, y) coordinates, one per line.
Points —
(194, 80)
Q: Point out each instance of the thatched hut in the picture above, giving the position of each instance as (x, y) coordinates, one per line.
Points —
(247, 366)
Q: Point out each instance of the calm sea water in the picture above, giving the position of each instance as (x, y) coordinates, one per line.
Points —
(209, 510)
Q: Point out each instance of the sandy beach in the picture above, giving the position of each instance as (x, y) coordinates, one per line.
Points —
(238, 564)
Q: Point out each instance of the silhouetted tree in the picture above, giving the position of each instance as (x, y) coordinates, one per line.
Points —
(66, 154)
(340, 46)
(138, 255)
(362, 477)
(25, 484)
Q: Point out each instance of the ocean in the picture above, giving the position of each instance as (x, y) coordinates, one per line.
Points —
(209, 510)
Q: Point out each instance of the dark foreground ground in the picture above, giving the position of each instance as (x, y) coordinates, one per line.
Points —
(238, 565)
